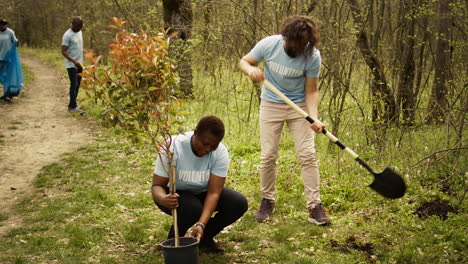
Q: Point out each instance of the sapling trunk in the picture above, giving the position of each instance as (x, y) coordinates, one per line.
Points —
(172, 186)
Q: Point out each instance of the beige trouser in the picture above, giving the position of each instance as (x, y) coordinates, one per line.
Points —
(272, 118)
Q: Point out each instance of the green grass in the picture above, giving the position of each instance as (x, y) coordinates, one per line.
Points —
(94, 205)
(14, 125)
(28, 76)
(3, 217)
(51, 56)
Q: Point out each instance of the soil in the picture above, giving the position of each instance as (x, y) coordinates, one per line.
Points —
(35, 130)
(353, 243)
(437, 207)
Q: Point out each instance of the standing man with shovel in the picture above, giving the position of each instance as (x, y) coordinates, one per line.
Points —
(201, 168)
(292, 63)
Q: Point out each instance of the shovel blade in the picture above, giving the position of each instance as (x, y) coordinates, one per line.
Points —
(389, 184)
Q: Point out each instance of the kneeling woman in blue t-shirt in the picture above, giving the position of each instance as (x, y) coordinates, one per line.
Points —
(202, 163)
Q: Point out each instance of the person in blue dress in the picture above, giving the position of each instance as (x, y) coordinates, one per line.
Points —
(11, 76)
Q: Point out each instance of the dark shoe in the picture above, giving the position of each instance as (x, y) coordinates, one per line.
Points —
(266, 209)
(317, 215)
(6, 99)
(210, 246)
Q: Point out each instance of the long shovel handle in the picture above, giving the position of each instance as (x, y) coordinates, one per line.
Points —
(304, 114)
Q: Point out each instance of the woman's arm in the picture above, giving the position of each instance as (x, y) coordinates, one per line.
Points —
(67, 55)
(160, 196)
(312, 99)
(215, 187)
(248, 66)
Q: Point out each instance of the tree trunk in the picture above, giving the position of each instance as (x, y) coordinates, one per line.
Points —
(310, 7)
(438, 102)
(421, 69)
(383, 103)
(406, 95)
(178, 18)
(207, 14)
(257, 86)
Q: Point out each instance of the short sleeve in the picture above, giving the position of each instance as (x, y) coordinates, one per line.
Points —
(162, 163)
(221, 163)
(66, 39)
(13, 37)
(313, 69)
(258, 52)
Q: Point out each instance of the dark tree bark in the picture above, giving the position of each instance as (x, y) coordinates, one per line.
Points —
(257, 86)
(438, 102)
(383, 103)
(207, 16)
(406, 94)
(423, 57)
(310, 7)
(178, 18)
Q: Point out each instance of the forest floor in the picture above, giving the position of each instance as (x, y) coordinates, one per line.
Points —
(35, 130)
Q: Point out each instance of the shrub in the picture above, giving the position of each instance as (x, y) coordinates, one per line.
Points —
(138, 87)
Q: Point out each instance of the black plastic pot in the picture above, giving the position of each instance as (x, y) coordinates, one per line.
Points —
(185, 253)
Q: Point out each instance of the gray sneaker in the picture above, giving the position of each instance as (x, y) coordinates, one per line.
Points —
(317, 215)
(77, 110)
(266, 209)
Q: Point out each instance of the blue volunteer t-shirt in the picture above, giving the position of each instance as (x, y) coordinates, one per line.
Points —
(74, 41)
(192, 172)
(286, 73)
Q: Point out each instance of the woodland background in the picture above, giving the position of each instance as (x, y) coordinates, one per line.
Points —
(410, 55)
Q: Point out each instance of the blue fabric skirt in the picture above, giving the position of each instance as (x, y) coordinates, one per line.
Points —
(11, 76)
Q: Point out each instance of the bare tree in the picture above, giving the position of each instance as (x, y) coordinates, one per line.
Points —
(438, 102)
(178, 18)
(383, 103)
(310, 7)
(406, 95)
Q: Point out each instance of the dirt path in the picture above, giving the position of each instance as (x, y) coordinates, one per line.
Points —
(36, 129)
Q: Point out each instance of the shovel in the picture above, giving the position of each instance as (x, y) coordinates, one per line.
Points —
(388, 183)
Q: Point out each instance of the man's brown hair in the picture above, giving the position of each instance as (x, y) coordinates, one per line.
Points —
(301, 35)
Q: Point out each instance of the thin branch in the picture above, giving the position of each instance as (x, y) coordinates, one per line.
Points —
(310, 7)
(124, 12)
(250, 16)
(437, 152)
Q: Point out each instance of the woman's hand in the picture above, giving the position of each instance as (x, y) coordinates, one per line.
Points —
(317, 126)
(170, 201)
(248, 65)
(256, 74)
(197, 231)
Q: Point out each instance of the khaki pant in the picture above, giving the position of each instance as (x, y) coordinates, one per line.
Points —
(272, 118)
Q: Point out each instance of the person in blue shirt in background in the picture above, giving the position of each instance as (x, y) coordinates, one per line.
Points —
(72, 50)
(11, 76)
(202, 163)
